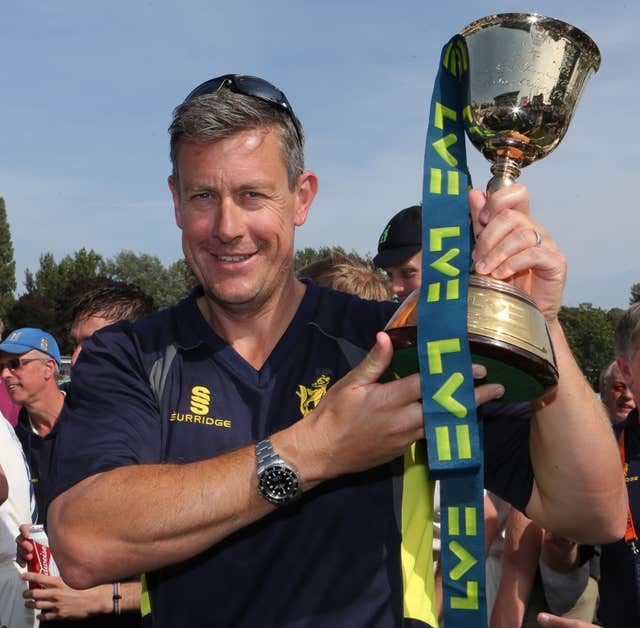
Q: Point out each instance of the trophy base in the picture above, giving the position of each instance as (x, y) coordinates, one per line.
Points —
(507, 334)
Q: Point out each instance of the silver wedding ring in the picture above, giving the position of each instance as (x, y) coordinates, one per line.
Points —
(538, 237)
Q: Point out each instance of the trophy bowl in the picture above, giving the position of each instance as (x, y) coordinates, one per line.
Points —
(526, 75)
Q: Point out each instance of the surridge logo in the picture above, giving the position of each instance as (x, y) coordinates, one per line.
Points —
(310, 397)
(199, 406)
(200, 400)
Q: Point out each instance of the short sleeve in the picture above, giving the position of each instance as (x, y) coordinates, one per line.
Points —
(508, 470)
(110, 418)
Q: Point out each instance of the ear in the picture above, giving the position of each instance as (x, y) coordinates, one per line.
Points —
(176, 200)
(625, 369)
(306, 190)
(49, 368)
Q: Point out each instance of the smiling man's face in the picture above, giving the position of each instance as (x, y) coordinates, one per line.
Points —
(238, 216)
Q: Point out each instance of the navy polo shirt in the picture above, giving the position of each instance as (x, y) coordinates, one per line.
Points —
(168, 389)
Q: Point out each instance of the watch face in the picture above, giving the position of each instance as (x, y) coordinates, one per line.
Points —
(279, 484)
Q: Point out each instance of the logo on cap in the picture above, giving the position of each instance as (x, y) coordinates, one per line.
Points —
(385, 234)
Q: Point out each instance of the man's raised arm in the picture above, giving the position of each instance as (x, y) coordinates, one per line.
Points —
(579, 490)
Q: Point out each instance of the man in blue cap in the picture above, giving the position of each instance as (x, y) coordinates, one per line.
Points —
(29, 364)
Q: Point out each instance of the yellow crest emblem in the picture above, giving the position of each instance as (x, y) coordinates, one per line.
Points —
(310, 397)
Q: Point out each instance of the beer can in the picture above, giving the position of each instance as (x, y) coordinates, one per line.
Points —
(42, 561)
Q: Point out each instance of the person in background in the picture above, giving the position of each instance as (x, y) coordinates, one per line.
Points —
(17, 505)
(8, 409)
(400, 251)
(105, 305)
(98, 308)
(615, 394)
(30, 363)
(343, 273)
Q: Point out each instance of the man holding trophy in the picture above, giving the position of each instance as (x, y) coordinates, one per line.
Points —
(201, 467)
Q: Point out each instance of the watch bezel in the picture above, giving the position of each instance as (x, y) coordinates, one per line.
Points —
(279, 473)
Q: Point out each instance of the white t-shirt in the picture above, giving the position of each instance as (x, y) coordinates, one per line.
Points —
(17, 509)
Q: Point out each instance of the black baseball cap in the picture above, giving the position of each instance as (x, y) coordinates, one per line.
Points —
(401, 238)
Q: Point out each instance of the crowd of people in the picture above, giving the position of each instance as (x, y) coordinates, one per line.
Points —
(244, 458)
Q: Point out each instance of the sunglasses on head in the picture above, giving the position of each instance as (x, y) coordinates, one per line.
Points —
(14, 364)
(249, 86)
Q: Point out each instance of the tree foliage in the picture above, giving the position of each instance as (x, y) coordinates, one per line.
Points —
(306, 256)
(590, 332)
(52, 278)
(33, 310)
(635, 294)
(7, 263)
(58, 285)
(165, 285)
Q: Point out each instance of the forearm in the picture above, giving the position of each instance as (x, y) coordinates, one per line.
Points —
(519, 566)
(575, 459)
(139, 518)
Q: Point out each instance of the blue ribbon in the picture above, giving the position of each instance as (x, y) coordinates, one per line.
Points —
(453, 435)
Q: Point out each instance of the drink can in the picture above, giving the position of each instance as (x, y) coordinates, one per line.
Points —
(42, 561)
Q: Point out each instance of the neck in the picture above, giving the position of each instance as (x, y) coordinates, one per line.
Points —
(44, 412)
(253, 332)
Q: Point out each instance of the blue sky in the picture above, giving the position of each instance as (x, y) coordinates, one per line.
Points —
(88, 89)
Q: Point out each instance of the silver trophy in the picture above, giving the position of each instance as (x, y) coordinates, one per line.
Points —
(526, 73)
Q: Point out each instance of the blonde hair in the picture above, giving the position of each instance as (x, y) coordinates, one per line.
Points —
(345, 274)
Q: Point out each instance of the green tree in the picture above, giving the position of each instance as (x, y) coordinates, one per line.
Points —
(33, 310)
(165, 285)
(7, 263)
(306, 256)
(635, 294)
(52, 278)
(590, 333)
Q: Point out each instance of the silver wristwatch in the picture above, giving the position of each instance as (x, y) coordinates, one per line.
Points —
(277, 481)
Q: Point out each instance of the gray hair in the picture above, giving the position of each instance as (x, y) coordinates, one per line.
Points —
(605, 375)
(628, 332)
(217, 116)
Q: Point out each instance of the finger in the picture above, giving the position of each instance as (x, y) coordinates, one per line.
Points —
(479, 371)
(31, 577)
(552, 621)
(477, 201)
(488, 392)
(514, 197)
(375, 363)
(550, 262)
(37, 578)
(509, 226)
(24, 530)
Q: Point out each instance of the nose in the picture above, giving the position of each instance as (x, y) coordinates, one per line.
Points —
(229, 224)
(397, 287)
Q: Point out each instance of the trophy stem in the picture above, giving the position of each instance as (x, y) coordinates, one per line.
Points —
(505, 172)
